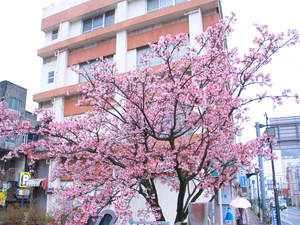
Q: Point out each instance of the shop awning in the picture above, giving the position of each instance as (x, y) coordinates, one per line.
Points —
(35, 182)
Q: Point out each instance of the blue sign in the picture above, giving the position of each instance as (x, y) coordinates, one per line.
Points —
(243, 181)
(274, 217)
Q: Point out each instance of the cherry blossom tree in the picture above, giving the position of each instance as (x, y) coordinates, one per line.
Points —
(11, 122)
(173, 125)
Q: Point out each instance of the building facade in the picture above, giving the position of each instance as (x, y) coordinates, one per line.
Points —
(14, 97)
(77, 32)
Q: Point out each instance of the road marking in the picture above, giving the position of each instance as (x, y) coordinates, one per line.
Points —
(289, 222)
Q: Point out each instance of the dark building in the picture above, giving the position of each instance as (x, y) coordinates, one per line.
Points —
(15, 98)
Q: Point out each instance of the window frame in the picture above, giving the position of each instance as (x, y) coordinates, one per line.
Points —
(14, 104)
(161, 5)
(30, 138)
(86, 66)
(50, 77)
(156, 60)
(12, 139)
(54, 35)
(106, 17)
(152, 62)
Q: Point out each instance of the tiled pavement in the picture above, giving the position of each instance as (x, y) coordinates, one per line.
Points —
(253, 218)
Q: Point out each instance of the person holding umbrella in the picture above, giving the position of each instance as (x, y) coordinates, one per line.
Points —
(241, 212)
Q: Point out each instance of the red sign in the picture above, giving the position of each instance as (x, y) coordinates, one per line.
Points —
(285, 191)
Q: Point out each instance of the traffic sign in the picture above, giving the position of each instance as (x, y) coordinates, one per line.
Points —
(23, 178)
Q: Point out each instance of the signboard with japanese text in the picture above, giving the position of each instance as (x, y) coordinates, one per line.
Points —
(23, 191)
(242, 178)
(274, 217)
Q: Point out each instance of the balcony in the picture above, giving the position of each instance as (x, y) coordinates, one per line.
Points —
(11, 175)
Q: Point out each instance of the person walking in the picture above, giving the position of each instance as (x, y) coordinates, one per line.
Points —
(242, 216)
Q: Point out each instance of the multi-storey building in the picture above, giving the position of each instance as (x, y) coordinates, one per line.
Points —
(15, 98)
(77, 32)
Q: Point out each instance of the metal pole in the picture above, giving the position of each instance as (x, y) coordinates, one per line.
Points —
(262, 178)
(258, 198)
(275, 190)
(221, 206)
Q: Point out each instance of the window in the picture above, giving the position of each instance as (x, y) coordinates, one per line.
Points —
(151, 61)
(153, 5)
(54, 34)
(14, 104)
(270, 185)
(87, 66)
(156, 60)
(11, 139)
(51, 77)
(99, 21)
(30, 137)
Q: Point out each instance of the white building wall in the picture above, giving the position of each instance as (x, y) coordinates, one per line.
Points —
(195, 26)
(131, 60)
(60, 6)
(46, 68)
(75, 28)
(121, 11)
(136, 8)
(58, 108)
(48, 38)
(121, 51)
(63, 31)
(61, 67)
(71, 77)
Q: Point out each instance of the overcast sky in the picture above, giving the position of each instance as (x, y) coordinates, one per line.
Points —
(21, 37)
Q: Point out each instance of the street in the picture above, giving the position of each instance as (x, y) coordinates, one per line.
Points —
(290, 216)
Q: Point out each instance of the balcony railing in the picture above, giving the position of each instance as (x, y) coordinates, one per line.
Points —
(10, 175)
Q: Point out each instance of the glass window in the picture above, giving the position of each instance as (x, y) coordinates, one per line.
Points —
(30, 137)
(51, 77)
(11, 139)
(14, 104)
(54, 34)
(87, 66)
(165, 3)
(87, 25)
(151, 61)
(179, 1)
(153, 5)
(109, 18)
(98, 21)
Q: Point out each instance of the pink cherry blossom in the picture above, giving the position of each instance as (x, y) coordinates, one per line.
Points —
(176, 125)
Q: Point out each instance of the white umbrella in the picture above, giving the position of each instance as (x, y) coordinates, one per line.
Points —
(240, 203)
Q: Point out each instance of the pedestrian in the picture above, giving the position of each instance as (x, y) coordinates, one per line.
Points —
(242, 216)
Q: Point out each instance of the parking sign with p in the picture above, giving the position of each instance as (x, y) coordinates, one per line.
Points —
(23, 178)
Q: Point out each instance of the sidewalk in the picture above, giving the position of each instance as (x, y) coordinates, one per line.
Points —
(253, 218)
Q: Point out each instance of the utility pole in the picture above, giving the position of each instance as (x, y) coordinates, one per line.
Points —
(261, 175)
